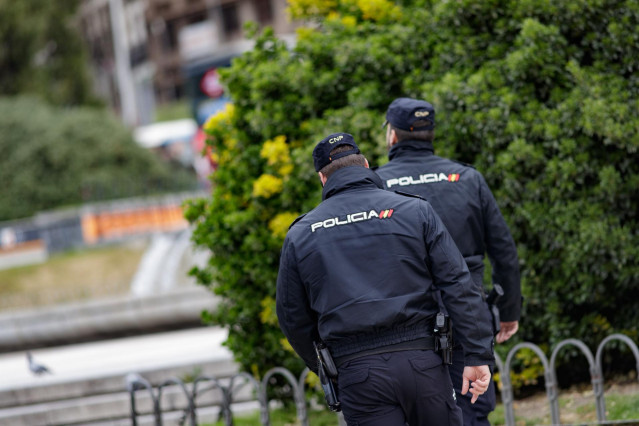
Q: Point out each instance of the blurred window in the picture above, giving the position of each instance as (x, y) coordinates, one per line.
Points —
(264, 11)
(230, 19)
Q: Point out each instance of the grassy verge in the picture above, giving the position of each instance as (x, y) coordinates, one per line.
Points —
(71, 276)
(285, 417)
(576, 406)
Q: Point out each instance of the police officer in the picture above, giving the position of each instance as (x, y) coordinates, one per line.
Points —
(460, 196)
(359, 273)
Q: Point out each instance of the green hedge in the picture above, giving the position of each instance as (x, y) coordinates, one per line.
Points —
(541, 96)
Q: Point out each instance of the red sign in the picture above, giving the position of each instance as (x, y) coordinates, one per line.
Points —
(210, 84)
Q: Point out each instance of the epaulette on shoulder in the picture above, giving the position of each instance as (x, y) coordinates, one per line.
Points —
(296, 220)
(406, 194)
(463, 164)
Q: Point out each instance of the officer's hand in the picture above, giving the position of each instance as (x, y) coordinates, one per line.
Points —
(480, 378)
(507, 330)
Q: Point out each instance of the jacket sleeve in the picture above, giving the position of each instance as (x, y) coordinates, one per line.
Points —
(502, 253)
(297, 321)
(461, 297)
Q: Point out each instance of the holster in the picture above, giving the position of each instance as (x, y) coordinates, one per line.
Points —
(327, 372)
(443, 332)
(327, 360)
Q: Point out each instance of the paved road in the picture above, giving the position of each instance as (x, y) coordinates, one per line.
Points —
(118, 356)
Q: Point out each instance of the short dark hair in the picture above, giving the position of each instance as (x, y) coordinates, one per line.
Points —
(420, 135)
(349, 160)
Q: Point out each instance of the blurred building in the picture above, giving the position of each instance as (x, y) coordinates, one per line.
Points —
(149, 52)
(116, 35)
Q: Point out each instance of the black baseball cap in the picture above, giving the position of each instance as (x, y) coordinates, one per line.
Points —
(322, 152)
(410, 114)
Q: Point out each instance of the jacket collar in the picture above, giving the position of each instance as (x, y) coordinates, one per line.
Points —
(349, 178)
(411, 148)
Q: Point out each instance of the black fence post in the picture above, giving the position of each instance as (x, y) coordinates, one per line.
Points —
(136, 382)
(190, 410)
(554, 400)
(298, 395)
(509, 414)
(225, 408)
(599, 393)
(256, 387)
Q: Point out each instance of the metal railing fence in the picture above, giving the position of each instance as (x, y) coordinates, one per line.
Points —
(191, 392)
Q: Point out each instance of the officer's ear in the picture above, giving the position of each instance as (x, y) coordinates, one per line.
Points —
(322, 178)
(366, 162)
(392, 136)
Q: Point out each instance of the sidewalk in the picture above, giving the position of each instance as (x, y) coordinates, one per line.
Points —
(115, 357)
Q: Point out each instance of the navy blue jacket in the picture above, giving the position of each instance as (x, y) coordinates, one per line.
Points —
(360, 270)
(460, 196)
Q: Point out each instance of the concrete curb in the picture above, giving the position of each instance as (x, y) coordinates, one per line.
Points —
(105, 318)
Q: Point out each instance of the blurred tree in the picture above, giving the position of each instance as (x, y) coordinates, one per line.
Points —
(56, 150)
(41, 52)
(54, 157)
(541, 96)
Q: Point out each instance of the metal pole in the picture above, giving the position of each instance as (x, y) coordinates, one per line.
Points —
(126, 88)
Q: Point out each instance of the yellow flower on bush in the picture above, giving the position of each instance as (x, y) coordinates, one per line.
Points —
(310, 8)
(285, 170)
(267, 314)
(304, 33)
(378, 10)
(230, 143)
(276, 152)
(349, 21)
(333, 16)
(280, 223)
(222, 117)
(267, 185)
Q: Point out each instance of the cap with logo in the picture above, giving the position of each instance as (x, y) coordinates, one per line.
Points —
(322, 153)
(410, 114)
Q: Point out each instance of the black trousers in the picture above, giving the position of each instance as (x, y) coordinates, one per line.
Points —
(397, 389)
(474, 414)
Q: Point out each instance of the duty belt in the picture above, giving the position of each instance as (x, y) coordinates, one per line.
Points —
(423, 343)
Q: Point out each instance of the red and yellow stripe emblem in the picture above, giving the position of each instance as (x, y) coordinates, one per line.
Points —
(453, 177)
(383, 214)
